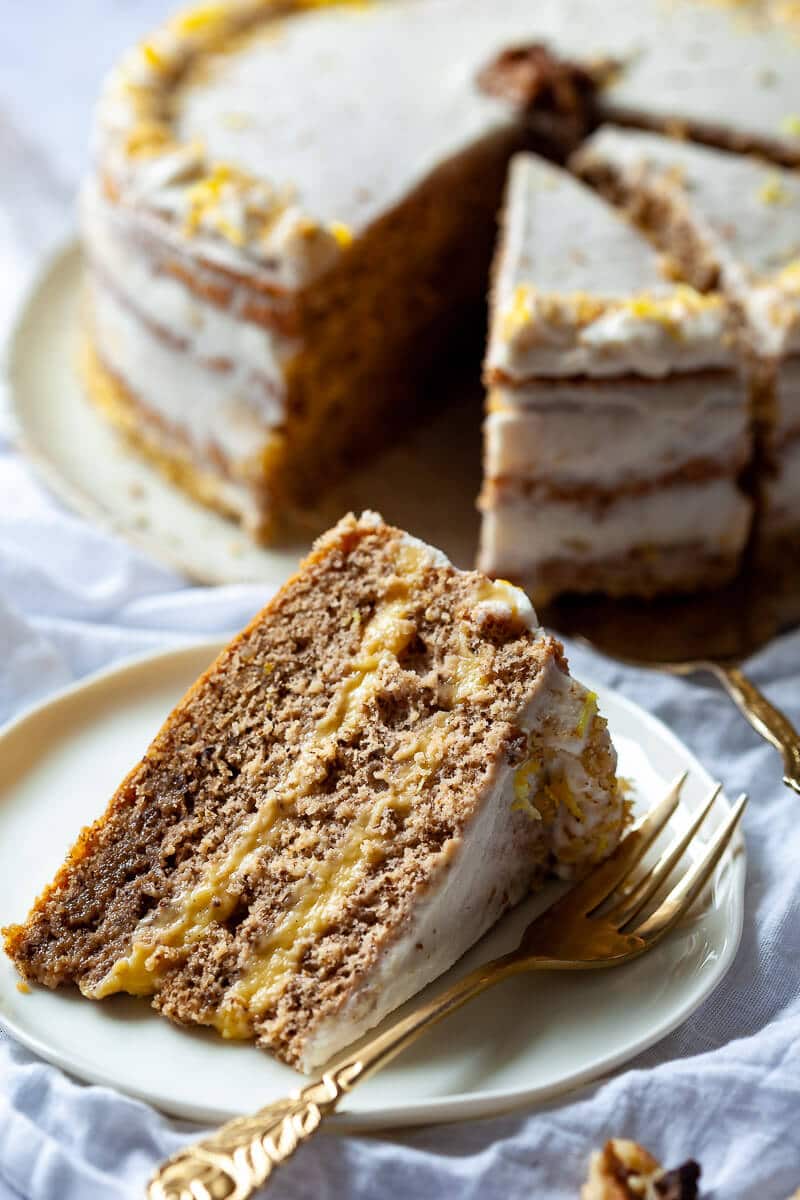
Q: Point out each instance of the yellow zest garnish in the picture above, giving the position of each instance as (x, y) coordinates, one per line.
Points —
(342, 233)
(525, 779)
(791, 124)
(194, 20)
(23, 987)
(772, 191)
(582, 309)
(670, 309)
(152, 57)
(148, 139)
(520, 311)
(559, 790)
(268, 668)
(205, 196)
(588, 713)
(789, 277)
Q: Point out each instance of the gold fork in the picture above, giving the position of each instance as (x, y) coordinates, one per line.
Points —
(599, 923)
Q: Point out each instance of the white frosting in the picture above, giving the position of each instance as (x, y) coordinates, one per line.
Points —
(745, 212)
(495, 863)
(319, 112)
(553, 434)
(517, 536)
(229, 410)
(601, 305)
(208, 331)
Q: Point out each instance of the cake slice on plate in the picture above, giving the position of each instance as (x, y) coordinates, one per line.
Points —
(735, 222)
(617, 421)
(386, 759)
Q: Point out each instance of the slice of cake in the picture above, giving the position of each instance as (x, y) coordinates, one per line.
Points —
(617, 421)
(385, 760)
(733, 221)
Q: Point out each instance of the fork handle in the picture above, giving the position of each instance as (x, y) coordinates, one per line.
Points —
(236, 1160)
(767, 720)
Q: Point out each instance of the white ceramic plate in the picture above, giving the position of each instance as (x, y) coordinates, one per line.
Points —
(427, 483)
(527, 1039)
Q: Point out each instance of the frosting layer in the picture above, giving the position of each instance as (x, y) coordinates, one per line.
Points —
(601, 305)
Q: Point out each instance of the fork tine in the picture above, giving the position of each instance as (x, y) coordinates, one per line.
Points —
(630, 905)
(603, 880)
(684, 894)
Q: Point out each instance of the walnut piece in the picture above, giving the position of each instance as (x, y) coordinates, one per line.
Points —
(623, 1170)
(532, 78)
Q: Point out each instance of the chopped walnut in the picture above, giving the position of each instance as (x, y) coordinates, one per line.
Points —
(623, 1170)
(534, 79)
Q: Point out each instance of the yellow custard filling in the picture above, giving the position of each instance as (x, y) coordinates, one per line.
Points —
(321, 895)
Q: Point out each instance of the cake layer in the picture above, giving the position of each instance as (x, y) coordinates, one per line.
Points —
(599, 306)
(706, 521)
(714, 211)
(610, 435)
(374, 770)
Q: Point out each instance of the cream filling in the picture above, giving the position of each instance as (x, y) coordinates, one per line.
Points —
(317, 899)
(714, 516)
(554, 434)
(499, 855)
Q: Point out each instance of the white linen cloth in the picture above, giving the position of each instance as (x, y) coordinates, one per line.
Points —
(725, 1088)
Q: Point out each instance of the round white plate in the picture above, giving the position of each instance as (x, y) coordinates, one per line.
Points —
(427, 483)
(525, 1040)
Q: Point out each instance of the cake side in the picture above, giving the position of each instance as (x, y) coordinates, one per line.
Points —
(305, 808)
(617, 422)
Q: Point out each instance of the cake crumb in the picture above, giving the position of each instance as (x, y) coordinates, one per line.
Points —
(23, 987)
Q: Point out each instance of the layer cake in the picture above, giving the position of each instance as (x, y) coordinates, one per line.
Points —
(283, 234)
(387, 758)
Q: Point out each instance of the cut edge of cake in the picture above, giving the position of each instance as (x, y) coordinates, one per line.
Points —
(580, 358)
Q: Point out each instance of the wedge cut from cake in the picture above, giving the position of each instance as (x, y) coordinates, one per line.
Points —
(617, 421)
(734, 222)
(383, 762)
